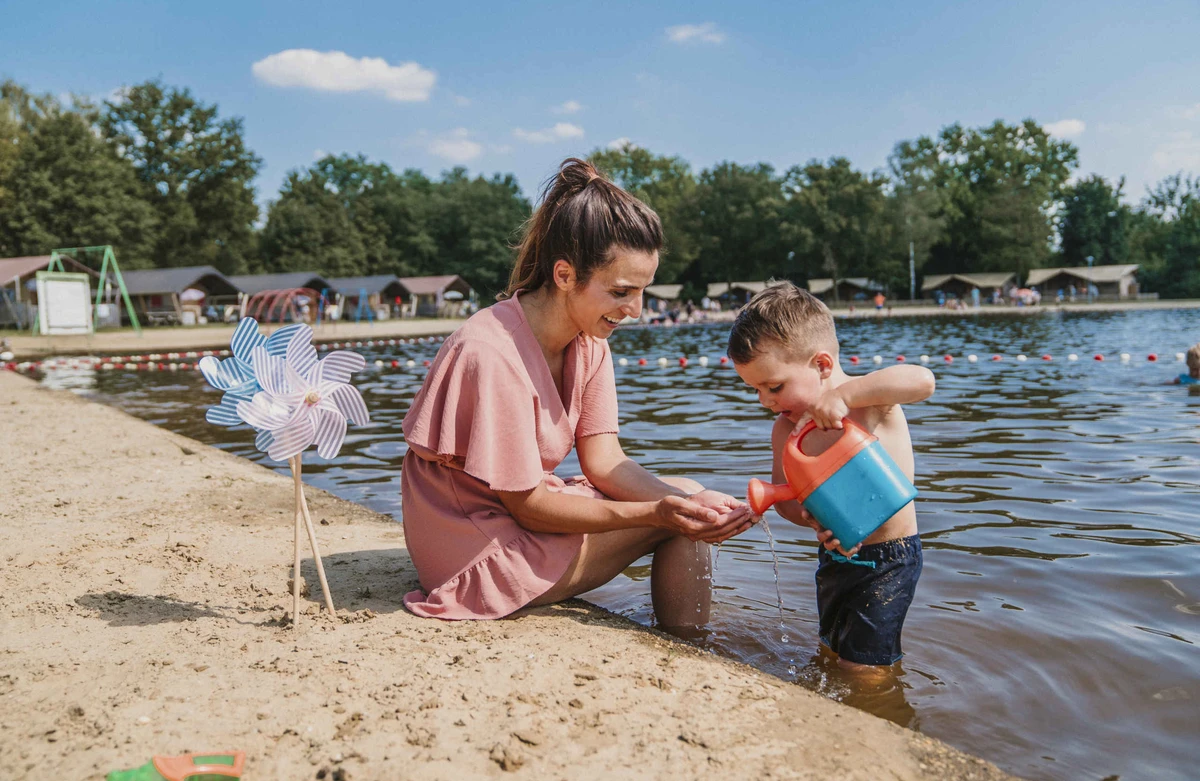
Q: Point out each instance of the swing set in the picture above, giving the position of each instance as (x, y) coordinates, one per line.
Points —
(109, 259)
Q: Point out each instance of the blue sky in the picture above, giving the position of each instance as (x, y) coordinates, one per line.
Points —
(517, 86)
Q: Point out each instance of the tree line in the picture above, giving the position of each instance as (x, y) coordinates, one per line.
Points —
(162, 176)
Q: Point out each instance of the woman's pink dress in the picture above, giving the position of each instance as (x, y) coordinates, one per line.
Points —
(490, 418)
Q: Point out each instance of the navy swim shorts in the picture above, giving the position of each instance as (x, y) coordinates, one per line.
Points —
(862, 608)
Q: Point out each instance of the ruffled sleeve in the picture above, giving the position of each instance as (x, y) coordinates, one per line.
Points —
(598, 405)
(476, 412)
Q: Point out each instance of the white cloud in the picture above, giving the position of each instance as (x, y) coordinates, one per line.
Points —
(570, 107)
(1181, 152)
(319, 154)
(695, 33)
(456, 146)
(620, 143)
(1066, 128)
(560, 131)
(1192, 112)
(339, 72)
(459, 100)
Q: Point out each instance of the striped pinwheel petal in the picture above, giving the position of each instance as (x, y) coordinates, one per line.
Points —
(270, 372)
(246, 390)
(340, 366)
(224, 414)
(292, 439)
(245, 338)
(301, 355)
(350, 402)
(263, 413)
(277, 342)
(263, 440)
(330, 432)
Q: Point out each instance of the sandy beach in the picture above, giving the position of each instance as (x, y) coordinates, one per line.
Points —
(142, 611)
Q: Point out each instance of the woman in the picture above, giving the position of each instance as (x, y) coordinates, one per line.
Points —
(489, 525)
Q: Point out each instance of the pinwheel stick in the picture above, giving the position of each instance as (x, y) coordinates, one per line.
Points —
(302, 515)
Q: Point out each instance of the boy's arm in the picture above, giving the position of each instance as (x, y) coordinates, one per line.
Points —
(882, 389)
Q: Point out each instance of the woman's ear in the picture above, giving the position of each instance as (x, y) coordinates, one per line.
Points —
(563, 275)
(823, 362)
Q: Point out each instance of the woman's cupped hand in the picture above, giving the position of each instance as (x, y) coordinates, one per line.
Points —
(707, 516)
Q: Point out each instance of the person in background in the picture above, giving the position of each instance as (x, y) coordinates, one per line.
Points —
(1192, 377)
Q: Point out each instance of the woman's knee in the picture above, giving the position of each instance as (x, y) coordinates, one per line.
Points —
(683, 484)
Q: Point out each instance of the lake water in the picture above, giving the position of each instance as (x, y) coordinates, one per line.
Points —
(1056, 625)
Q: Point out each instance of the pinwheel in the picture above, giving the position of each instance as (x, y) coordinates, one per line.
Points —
(277, 385)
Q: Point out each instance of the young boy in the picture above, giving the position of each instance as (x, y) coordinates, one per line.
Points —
(784, 346)
(1193, 363)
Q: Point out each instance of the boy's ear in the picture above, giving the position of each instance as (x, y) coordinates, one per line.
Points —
(824, 363)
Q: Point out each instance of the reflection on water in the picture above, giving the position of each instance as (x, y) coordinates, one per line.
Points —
(1055, 628)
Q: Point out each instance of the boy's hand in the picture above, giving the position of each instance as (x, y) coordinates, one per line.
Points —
(825, 537)
(827, 412)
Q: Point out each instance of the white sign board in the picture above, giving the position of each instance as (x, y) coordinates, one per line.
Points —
(64, 303)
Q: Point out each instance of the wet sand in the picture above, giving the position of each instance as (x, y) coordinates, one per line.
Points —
(143, 589)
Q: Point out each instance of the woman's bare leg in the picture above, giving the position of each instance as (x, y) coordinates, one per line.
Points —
(681, 576)
(680, 592)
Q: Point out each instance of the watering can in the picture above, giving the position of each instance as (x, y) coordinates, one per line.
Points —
(851, 489)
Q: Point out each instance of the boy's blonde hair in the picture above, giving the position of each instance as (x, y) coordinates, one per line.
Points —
(1193, 359)
(784, 316)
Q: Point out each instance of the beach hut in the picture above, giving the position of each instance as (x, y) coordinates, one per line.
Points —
(1117, 281)
(848, 289)
(165, 296)
(735, 294)
(18, 287)
(960, 285)
(250, 284)
(441, 296)
(382, 295)
(667, 293)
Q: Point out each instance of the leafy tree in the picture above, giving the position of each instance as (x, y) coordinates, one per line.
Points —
(665, 184)
(474, 223)
(310, 229)
(1094, 223)
(64, 187)
(997, 189)
(839, 219)
(1170, 237)
(196, 172)
(739, 214)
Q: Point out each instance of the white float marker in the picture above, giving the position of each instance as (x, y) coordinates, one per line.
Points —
(662, 361)
(878, 359)
(924, 359)
(703, 359)
(622, 362)
(410, 363)
(972, 358)
(378, 364)
(1180, 357)
(1021, 358)
(1124, 357)
(1072, 357)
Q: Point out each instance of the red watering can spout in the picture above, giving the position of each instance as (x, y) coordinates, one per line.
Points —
(763, 495)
